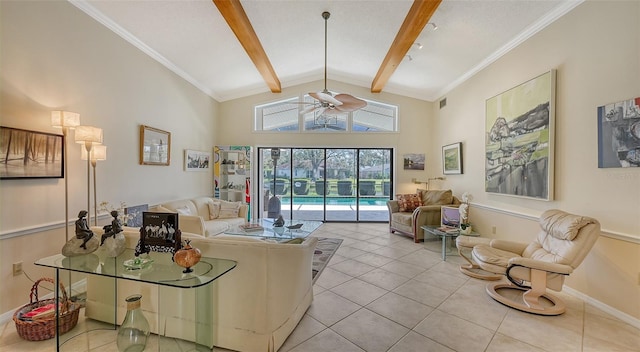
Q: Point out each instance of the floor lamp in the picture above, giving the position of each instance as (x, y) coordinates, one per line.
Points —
(98, 152)
(67, 121)
(89, 136)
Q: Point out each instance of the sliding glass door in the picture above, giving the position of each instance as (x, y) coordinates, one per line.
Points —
(326, 184)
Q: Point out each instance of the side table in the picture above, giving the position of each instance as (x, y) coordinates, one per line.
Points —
(445, 236)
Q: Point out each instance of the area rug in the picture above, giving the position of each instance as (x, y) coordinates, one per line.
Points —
(325, 249)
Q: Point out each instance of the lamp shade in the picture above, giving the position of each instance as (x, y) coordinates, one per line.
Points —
(61, 119)
(88, 135)
(98, 152)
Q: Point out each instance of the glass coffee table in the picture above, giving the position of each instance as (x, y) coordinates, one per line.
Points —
(445, 236)
(264, 228)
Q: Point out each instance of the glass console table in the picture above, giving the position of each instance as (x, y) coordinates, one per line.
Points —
(163, 273)
(445, 236)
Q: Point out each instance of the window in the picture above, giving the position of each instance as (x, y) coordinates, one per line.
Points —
(289, 116)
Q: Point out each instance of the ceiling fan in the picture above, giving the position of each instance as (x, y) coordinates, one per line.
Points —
(326, 103)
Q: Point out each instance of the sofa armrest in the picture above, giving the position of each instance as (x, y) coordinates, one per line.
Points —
(192, 224)
(393, 206)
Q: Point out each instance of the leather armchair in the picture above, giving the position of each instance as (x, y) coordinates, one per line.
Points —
(562, 243)
(409, 222)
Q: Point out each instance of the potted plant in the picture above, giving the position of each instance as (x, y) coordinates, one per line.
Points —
(465, 225)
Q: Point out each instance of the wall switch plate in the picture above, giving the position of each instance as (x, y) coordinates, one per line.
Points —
(17, 268)
(493, 230)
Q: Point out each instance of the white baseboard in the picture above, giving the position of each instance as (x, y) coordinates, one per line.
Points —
(80, 286)
(635, 322)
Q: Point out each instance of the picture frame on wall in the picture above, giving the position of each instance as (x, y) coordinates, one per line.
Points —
(30, 154)
(519, 144)
(155, 146)
(195, 160)
(619, 134)
(413, 161)
(452, 159)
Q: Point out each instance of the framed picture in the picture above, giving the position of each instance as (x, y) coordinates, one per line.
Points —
(30, 154)
(413, 161)
(619, 134)
(196, 160)
(155, 146)
(519, 145)
(133, 214)
(452, 159)
(159, 233)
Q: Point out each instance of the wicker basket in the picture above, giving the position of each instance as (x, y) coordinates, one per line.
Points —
(45, 328)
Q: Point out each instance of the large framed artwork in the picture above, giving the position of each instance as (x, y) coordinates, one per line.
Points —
(452, 159)
(155, 146)
(30, 154)
(619, 134)
(519, 140)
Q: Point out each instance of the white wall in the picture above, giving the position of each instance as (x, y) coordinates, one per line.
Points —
(56, 57)
(596, 52)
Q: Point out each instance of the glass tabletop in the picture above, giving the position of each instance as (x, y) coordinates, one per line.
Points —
(445, 231)
(264, 228)
(160, 270)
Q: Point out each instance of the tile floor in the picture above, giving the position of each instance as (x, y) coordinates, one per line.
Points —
(382, 292)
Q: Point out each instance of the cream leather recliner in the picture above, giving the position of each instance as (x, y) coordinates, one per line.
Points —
(563, 242)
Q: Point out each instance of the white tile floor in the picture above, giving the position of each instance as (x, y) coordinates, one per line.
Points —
(382, 292)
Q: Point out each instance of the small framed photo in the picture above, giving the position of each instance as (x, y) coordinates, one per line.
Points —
(413, 161)
(195, 160)
(134, 214)
(155, 146)
(452, 159)
(159, 233)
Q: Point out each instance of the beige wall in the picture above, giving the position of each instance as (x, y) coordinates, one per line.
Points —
(596, 65)
(56, 57)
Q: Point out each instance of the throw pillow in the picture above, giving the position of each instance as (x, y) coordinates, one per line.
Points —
(408, 202)
(436, 197)
(229, 210)
(214, 210)
(183, 210)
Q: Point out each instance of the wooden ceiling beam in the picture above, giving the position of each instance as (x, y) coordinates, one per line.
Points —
(237, 19)
(417, 17)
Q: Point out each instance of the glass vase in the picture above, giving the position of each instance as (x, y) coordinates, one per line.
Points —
(134, 331)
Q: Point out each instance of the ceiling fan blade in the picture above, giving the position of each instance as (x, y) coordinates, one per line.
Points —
(307, 110)
(325, 98)
(349, 103)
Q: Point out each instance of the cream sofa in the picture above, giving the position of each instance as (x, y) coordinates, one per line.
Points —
(205, 216)
(255, 306)
(409, 222)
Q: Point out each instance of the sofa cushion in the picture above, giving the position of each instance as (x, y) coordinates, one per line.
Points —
(436, 197)
(408, 202)
(229, 210)
(214, 210)
(183, 210)
(173, 206)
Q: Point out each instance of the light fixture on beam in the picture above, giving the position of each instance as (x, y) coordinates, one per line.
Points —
(67, 121)
(435, 26)
(418, 45)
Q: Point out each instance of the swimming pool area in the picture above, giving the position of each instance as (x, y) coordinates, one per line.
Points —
(335, 200)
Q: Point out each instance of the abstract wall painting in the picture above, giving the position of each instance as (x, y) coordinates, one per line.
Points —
(619, 134)
(519, 141)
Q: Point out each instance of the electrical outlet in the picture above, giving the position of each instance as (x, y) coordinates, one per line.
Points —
(493, 230)
(17, 268)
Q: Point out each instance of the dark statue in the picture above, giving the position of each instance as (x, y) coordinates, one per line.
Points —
(113, 229)
(83, 232)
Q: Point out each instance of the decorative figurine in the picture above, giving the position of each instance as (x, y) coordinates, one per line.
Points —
(187, 257)
(84, 242)
(279, 222)
(113, 229)
(83, 232)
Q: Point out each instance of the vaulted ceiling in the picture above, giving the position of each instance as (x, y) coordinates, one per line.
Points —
(365, 38)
